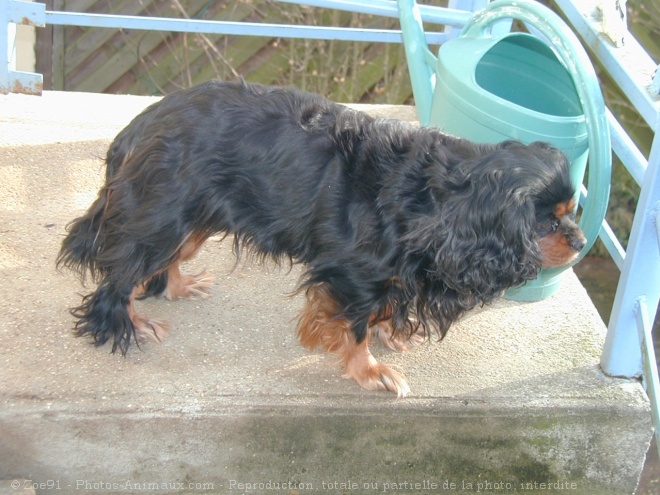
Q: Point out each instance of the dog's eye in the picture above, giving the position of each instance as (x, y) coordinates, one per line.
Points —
(554, 225)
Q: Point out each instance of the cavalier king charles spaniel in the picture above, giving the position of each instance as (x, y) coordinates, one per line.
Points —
(400, 229)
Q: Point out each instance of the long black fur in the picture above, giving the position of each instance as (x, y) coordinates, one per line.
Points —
(393, 218)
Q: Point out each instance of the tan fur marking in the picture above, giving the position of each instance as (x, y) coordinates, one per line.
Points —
(555, 250)
(555, 246)
(563, 209)
(318, 325)
(191, 246)
(570, 206)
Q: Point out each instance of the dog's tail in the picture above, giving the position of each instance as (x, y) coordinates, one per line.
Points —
(83, 241)
(81, 245)
(104, 315)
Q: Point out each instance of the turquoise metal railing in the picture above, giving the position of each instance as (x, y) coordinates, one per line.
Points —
(13, 12)
(628, 350)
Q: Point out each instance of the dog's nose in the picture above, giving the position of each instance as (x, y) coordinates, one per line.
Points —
(578, 244)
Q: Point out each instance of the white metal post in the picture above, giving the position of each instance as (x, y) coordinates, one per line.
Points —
(640, 277)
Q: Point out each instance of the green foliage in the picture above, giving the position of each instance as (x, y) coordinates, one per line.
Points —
(341, 70)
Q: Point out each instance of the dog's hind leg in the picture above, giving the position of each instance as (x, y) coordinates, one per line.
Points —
(321, 325)
(181, 286)
(134, 270)
(151, 329)
(174, 285)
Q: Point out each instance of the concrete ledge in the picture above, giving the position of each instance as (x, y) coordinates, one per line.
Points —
(513, 395)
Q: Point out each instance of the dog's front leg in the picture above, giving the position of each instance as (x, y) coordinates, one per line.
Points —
(321, 325)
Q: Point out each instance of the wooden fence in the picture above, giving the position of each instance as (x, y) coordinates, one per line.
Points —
(151, 63)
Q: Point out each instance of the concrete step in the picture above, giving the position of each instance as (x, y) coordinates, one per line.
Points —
(512, 400)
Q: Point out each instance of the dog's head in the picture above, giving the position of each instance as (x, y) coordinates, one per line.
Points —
(494, 220)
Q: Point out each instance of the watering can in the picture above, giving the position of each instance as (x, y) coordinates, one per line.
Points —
(491, 87)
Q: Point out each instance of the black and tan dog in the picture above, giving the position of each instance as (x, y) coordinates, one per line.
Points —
(400, 229)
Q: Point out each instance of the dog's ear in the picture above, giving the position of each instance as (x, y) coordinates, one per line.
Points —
(480, 239)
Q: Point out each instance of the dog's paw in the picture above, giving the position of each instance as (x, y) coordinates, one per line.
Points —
(187, 286)
(148, 329)
(372, 375)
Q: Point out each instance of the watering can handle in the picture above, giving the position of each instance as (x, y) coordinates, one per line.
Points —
(421, 62)
(569, 50)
